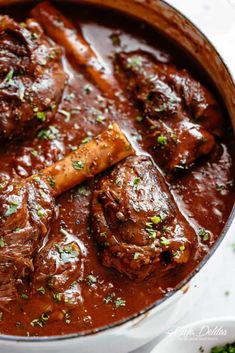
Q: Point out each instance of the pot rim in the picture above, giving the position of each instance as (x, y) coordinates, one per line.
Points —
(171, 295)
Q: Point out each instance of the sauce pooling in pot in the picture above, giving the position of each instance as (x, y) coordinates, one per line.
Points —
(70, 289)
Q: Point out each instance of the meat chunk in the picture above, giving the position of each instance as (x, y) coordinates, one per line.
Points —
(32, 79)
(58, 262)
(137, 223)
(26, 210)
(183, 116)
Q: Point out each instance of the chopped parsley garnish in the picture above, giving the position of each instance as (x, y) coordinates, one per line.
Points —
(149, 229)
(67, 252)
(11, 209)
(41, 212)
(41, 321)
(136, 182)
(9, 76)
(24, 296)
(51, 181)
(151, 232)
(41, 116)
(228, 348)
(162, 140)
(156, 219)
(41, 290)
(139, 119)
(78, 165)
(204, 234)
(83, 191)
(91, 279)
(164, 241)
(86, 140)
(103, 235)
(119, 302)
(100, 118)
(50, 134)
(34, 36)
(2, 243)
(57, 297)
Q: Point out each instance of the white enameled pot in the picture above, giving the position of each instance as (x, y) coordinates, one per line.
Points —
(136, 331)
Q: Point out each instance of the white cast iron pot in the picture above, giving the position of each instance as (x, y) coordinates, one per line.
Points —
(136, 331)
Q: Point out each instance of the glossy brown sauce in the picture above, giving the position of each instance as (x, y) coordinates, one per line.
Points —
(205, 194)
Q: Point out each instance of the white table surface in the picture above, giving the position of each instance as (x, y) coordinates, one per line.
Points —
(216, 18)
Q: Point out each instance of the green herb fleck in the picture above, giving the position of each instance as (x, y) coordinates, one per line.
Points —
(156, 219)
(162, 140)
(9, 76)
(228, 348)
(57, 297)
(24, 296)
(100, 118)
(136, 182)
(2, 243)
(34, 36)
(78, 165)
(164, 241)
(41, 290)
(50, 134)
(91, 279)
(11, 209)
(139, 119)
(119, 302)
(204, 234)
(41, 116)
(83, 191)
(51, 181)
(86, 140)
(41, 321)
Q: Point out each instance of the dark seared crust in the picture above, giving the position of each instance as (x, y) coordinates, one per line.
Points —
(32, 79)
(176, 107)
(26, 211)
(137, 223)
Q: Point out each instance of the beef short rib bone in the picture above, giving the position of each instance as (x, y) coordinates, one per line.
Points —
(32, 79)
(62, 31)
(137, 223)
(27, 206)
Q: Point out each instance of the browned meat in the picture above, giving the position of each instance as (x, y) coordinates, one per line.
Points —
(31, 77)
(26, 210)
(182, 114)
(137, 223)
(58, 264)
